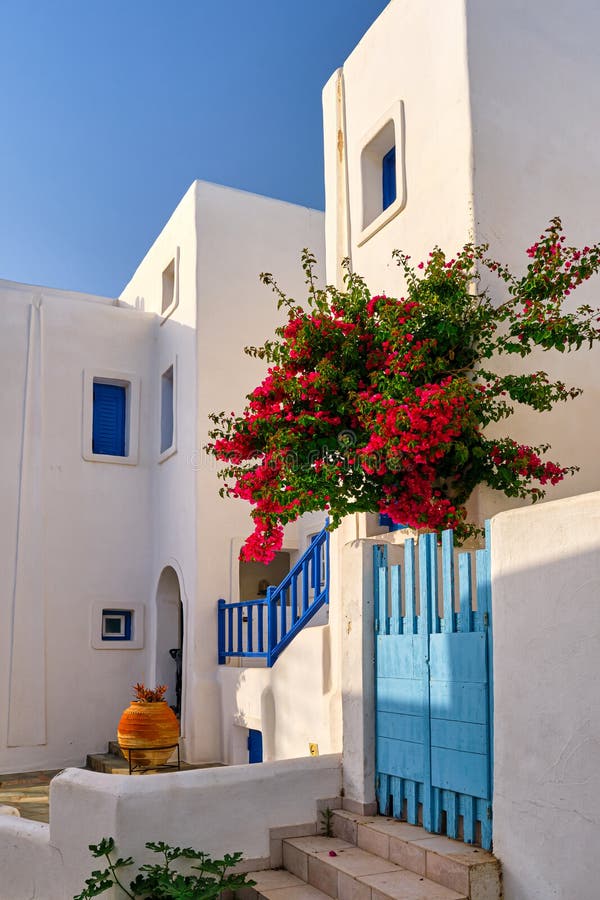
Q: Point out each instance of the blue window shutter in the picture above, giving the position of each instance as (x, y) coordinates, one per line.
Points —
(388, 178)
(108, 426)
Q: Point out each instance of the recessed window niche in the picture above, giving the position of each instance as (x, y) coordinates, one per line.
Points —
(117, 625)
(168, 412)
(111, 417)
(170, 286)
(383, 183)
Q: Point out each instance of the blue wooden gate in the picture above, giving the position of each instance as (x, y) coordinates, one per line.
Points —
(434, 701)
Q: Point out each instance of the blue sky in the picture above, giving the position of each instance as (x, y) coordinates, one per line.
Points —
(111, 108)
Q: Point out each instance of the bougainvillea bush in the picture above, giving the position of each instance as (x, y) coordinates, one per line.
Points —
(376, 403)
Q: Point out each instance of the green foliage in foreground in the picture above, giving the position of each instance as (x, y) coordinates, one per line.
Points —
(159, 880)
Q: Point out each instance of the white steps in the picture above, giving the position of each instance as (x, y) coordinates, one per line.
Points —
(375, 858)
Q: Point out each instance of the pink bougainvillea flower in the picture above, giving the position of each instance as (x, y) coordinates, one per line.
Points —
(376, 404)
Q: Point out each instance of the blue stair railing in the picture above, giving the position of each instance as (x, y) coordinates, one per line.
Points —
(263, 628)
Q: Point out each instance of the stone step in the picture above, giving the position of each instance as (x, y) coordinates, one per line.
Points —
(109, 763)
(344, 871)
(277, 884)
(469, 870)
(116, 764)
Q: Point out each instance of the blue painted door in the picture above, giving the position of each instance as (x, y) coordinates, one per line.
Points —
(255, 748)
(433, 690)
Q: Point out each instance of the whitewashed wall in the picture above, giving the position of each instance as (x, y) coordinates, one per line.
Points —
(239, 236)
(292, 703)
(222, 239)
(499, 137)
(215, 810)
(546, 622)
(74, 534)
(92, 533)
(414, 53)
(536, 155)
(174, 512)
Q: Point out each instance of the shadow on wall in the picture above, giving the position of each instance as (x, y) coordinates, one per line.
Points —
(546, 590)
(268, 717)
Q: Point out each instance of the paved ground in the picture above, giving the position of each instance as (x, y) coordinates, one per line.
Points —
(27, 791)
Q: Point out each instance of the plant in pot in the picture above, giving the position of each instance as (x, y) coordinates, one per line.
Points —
(148, 727)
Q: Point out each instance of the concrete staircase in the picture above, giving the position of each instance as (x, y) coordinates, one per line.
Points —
(375, 858)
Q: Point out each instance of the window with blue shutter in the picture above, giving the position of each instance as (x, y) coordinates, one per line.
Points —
(388, 178)
(109, 419)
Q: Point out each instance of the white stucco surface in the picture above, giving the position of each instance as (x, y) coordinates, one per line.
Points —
(239, 236)
(536, 155)
(81, 532)
(546, 622)
(414, 54)
(485, 159)
(215, 810)
(358, 676)
(74, 534)
(291, 703)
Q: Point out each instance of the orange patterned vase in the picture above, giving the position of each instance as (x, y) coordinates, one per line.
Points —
(148, 725)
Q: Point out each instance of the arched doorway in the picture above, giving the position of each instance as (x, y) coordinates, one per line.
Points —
(169, 636)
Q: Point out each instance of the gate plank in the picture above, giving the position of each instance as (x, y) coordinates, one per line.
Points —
(395, 625)
(410, 583)
(459, 702)
(428, 620)
(463, 736)
(455, 770)
(465, 591)
(449, 620)
(459, 657)
(401, 726)
(399, 758)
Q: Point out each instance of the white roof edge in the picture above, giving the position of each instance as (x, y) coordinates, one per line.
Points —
(19, 286)
(226, 187)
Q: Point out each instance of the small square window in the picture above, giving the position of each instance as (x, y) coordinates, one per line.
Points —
(117, 624)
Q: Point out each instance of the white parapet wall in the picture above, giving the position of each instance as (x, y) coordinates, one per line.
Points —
(217, 810)
(546, 615)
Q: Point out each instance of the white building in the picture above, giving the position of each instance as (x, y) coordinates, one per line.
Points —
(485, 106)
(487, 109)
(133, 535)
